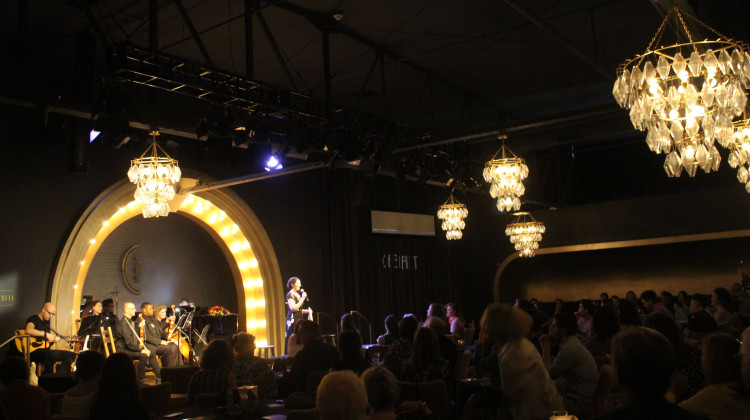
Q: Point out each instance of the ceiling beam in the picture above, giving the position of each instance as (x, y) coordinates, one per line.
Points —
(557, 36)
(196, 36)
(275, 48)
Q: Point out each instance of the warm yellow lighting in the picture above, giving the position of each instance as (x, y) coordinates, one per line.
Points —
(525, 233)
(236, 247)
(93, 241)
(452, 213)
(155, 177)
(106, 223)
(505, 175)
(253, 262)
(83, 262)
(224, 232)
(243, 265)
(75, 286)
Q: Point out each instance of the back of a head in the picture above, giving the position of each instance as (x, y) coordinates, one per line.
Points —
(720, 362)
(667, 327)
(407, 327)
(629, 313)
(605, 323)
(118, 380)
(644, 360)
(347, 322)
(568, 321)
(381, 387)
(350, 345)
(435, 309)
(13, 369)
(342, 396)
(89, 364)
(649, 295)
(426, 349)
(724, 297)
(502, 322)
(217, 355)
(242, 341)
(701, 300)
(309, 329)
(391, 323)
(436, 325)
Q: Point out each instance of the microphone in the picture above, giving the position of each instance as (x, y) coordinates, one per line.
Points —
(303, 291)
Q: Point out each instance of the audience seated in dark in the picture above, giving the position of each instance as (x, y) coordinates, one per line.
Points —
(315, 355)
(249, 369)
(527, 388)
(628, 314)
(436, 310)
(382, 395)
(724, 396)
(347, 324)
(605, 327)
(118, 396)
(350, 347)
(293, 346)
(455, 324)
(391, 331)
(21, 400)
(700, 322)
(401, 349)
(643, 364)
(573, 363)
(342, 396)
(78, 400)
(652, 305)
(689, 375)
(721, 301)
(426, 362)
(216, 375)
(745, 359)
(585, 320)
(447, 346)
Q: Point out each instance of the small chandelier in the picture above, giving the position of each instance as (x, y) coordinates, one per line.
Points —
(505, 175)
(154, 177)
(453, 213)
(525, 233)
(686, 95)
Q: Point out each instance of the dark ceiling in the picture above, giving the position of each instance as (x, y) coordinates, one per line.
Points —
(419, 89)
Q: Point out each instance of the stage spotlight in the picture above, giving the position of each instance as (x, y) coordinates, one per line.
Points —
(273, 163)
(93, 134)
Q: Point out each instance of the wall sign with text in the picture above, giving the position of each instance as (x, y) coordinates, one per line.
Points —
(7, 297)
(400, 262)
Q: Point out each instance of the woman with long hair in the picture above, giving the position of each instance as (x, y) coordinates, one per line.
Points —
(426, 362)
(215, 376)
(350, 347)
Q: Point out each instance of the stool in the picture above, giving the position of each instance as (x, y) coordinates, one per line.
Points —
(265, 350)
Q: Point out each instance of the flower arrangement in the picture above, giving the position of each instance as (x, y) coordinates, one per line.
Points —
(218, 311)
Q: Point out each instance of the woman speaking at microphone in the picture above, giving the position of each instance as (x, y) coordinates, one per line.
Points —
(295, 299)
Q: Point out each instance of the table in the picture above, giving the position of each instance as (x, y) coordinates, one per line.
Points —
(267, 408)
(265, 350)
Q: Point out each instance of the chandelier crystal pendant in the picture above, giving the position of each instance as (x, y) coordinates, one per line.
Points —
(453, 213)
(154, 177)
(525, 234)
(686, 95)
(505, 175)
(739, 156)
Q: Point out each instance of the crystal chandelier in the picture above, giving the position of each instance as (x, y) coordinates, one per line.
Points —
(154, 177)
(739, 156)
(505, 175)
(525, 233)
(453, 213)
(686, 95)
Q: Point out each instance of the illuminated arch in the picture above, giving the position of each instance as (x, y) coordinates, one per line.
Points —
(221, 213)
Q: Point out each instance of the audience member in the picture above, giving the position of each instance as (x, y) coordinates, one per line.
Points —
(350, 348)
(724, 396)
(584, 319)
(700, 322)
(603, 298)
(78, 400)
(21, 400)
(447, 346)
(615, 302)
(249, 369)
(315, 355)
(698, 303)
(347, 324)
(526, 384)
(401, 349)
(688, 374)
(118, 396)
(674, 306)
(342, 396)
(573, 363)
(382, 394)
(721, 301)
(631, 297)
(559, 303)
(745, 359)
(215, 376)
(391, 331)
(436, 310)
(293, 345)
(652, 305)
(426, 362)
(643, 364)
(605, 326)
(628, 314)
(455, 324)
(683, 299)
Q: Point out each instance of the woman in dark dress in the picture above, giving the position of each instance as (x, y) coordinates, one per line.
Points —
(295, 300)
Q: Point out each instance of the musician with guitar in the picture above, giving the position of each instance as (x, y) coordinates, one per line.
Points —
(43, 336)
(128, 340)
(156, 336)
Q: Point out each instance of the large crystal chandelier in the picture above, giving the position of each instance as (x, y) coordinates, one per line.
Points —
(525, 233)
(453, 213)
(686, 95)
(154, 177)
(505, 175)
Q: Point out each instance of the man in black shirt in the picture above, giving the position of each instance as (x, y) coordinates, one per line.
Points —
(38, 327)
(128, 341)
(156, 337)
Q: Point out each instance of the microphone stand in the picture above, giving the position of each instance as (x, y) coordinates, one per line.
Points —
(369, 324)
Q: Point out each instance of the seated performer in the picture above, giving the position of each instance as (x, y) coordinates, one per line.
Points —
(128, 342)
(156, 336)
(38, 327)
(90, 326)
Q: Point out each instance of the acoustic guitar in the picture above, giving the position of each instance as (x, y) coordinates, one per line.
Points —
(35, 343)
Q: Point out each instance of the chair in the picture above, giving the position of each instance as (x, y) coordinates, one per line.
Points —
(601, 406)
(179, 376)
(308, 414)
(156, 398)
(462, 365)
(434, 393)
(108, 338)
(313, 380)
